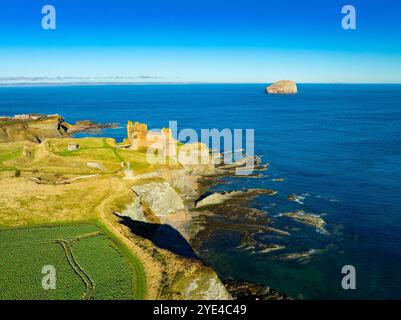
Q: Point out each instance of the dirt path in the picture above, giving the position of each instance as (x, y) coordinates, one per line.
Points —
(147, 282)
(89, 283)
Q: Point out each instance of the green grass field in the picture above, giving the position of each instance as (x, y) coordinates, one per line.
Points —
(53, 157)
(103, 150)
(89, 263)
(8, 152)
(99, 149)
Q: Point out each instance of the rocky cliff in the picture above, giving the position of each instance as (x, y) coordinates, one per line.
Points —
(37, 129)
(30, 130)
(156, 214)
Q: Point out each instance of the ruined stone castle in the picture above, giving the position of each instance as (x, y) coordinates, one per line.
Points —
(140, 137)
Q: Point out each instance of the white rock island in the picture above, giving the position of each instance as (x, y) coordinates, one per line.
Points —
(282, 87)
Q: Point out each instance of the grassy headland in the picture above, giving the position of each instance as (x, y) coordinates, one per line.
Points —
(47, 184)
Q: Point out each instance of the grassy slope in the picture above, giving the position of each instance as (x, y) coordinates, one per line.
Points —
(25, 203)
(103, 150)
(8, 152)
(28, 130)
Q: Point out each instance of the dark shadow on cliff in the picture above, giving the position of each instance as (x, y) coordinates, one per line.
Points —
(203, 196)
(162, 235)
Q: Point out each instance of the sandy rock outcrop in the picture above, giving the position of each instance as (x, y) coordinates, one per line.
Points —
(160, 197)
(134, 211)
(206, 286)
(218, 198)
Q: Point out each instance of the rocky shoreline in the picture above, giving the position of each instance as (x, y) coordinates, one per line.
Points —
(89, 126)
(180, 197)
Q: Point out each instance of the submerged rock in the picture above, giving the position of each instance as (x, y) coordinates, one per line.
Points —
(282, 87)
(246, 290)
(307, 218)
(296, 198)
(248, 242)
(301, 257)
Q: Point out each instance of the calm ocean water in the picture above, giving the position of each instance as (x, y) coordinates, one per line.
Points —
(338, 145)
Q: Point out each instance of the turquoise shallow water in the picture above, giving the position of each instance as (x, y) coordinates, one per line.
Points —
(338, 145)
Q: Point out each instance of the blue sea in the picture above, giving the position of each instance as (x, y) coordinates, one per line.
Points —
(339, 146)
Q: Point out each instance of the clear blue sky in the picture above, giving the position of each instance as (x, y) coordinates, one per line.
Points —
(212, 41)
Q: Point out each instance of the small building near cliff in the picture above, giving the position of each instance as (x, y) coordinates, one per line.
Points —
(36, 116)
(139, 137)
(72, 147)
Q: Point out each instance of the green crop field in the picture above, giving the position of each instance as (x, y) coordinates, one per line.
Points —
(89, 264)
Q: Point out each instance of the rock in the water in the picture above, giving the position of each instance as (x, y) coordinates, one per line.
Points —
(307, 218)
(282, 87)
(246, 290)
(218, 198)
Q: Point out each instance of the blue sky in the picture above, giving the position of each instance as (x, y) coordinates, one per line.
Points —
(203, 41)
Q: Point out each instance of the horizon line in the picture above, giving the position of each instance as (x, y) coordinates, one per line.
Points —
(116, 83)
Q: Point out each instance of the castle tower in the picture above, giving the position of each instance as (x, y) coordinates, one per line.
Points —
(137, 134)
